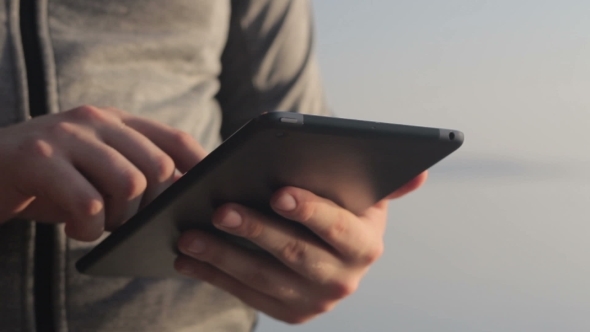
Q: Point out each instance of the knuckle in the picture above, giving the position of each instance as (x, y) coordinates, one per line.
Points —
(164, 167)
(88, 113)
(306, 211)
(83, 211)
(374, 253)
(89, 207)
(337, 230)
(38, 147)
(61, 129)
(115, 111)
(257, 277)
(342, 288)
(252, 229)
(182, 138)
(134, 184)
(294, 252)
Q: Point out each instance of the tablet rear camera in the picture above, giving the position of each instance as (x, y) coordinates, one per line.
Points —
(451, 136)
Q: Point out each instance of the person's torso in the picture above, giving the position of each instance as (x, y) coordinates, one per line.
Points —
(159, 59)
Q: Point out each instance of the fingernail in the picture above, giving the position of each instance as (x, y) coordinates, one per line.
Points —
(232, 219)
(196, 246)
(286, 203)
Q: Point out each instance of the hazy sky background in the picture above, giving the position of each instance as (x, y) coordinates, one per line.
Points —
(499, 239)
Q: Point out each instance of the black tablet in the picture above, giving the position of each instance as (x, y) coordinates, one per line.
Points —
(353, 163)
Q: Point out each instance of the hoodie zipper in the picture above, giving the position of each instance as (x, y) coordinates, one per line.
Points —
(44, 233)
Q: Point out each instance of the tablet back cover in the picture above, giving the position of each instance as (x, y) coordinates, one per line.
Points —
(353, 163)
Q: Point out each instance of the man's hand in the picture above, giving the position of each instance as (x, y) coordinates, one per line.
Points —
(304, 274)
(90, 168)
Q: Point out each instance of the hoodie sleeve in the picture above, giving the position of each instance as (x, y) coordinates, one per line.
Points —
(269, 63)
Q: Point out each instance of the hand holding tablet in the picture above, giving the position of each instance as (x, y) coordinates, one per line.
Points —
(340, 164)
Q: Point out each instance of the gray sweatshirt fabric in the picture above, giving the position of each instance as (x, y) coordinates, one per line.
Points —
(203, 66)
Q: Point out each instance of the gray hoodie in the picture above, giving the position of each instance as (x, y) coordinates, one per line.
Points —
(203, 66)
